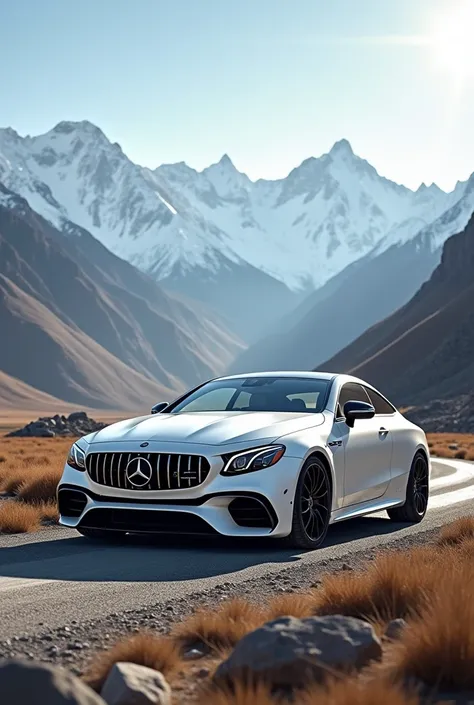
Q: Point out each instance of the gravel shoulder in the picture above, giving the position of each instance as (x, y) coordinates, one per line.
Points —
(74, 643)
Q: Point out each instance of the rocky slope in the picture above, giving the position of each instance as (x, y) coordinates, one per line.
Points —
(424, 351)
(89, 328)
(360, 296)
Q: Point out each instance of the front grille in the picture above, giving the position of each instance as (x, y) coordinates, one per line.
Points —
(166, 471)
(71, 503)
(250, 512)
(145, 521)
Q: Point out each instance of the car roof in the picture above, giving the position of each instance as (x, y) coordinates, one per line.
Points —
(302, 374)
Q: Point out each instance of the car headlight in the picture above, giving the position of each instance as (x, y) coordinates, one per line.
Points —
(251, 460)
(77, 458)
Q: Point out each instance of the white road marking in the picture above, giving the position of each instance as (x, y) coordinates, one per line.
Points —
(16, 583)
(464, 473)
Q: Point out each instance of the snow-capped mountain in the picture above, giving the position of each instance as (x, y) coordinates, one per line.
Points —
(216, 234)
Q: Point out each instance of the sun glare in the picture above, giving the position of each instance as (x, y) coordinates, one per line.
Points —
(452, 38)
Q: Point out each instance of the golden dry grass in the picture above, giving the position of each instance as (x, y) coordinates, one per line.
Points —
(345, 691)
(457, 532)
(220, 628)
(30, 469)
(19, 518)
(292, 605)
(438, 647)
(394, 585)
(452, 445)
(145, 649)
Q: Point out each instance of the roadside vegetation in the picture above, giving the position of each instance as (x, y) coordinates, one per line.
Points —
(432, 654)
(30, 470)
(459, 446)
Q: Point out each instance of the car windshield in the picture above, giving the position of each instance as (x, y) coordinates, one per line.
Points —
(281, 394)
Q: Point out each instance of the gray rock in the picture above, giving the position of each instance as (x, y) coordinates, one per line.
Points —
(394, 629)
(26, 683)
(132, 684)
(294, 652)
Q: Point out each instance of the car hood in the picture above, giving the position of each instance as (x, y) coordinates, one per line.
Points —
(210, 427)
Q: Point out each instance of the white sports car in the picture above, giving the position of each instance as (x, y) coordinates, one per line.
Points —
(280, 454)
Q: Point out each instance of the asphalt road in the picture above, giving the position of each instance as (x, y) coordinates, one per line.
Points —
(55, 576)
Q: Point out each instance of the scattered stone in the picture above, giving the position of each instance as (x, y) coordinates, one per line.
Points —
(394, 629)
(76, 424)
(193, 654)
(293, 652)
(346, 566)
(132, 684)
(26, 683)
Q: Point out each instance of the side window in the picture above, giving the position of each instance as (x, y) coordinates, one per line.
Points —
(350, 392)
(380, 405)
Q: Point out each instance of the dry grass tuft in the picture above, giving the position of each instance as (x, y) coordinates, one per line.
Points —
(19, 518)
(49, 512)
(438, 648)
(346, 691)
(393, 585)
(145, 649)
(457, 532)
(452, 445)
(222, 628)
(292, 605)
(40, 486)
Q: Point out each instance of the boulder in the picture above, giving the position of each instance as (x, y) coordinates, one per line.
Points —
(28, 683)
(76, 424)
(293, 652)
(394, 629)
(133, 684)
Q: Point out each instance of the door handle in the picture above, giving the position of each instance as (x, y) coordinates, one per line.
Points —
(383, 432)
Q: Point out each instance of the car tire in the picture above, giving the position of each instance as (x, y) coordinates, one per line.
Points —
(311, 516)
(416, 502)
(102, 535)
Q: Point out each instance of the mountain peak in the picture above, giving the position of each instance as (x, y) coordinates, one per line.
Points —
(66, 127)
(226, 161)
(342, 147)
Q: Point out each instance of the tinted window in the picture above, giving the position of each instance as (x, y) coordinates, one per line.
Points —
(351, 392)
(288, 394)
(380, 405)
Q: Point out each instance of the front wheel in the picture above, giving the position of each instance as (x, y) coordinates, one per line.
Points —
(416, 503)
(312, 506)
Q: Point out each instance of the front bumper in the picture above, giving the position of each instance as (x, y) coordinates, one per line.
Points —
(220, 505)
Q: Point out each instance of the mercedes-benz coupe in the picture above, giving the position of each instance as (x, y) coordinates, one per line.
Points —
(272, 454)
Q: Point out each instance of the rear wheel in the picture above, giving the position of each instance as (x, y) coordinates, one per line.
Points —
(102, 534)
(416, 502)
(312, 506)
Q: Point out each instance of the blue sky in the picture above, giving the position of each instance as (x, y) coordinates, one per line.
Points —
(270, 82)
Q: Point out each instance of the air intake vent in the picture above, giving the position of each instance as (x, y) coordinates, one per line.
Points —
(250, 512)
(71, 503)
(146, 521)
(147, 471)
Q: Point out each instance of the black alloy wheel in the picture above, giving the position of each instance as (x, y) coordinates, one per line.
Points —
(418, 491)
(312, 506)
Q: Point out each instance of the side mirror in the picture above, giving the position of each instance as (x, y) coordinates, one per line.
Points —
(159, 407)
(357, 410)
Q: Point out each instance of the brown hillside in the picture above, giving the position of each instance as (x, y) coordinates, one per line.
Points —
(16, 395)
(97, 332)
(425, 350)
(61, 360)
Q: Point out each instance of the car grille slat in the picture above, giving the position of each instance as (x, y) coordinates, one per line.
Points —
(169, 471)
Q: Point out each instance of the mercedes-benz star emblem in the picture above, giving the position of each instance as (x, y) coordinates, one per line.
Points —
(139, 472)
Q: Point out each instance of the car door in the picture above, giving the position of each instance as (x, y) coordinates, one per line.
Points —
(367, 451)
